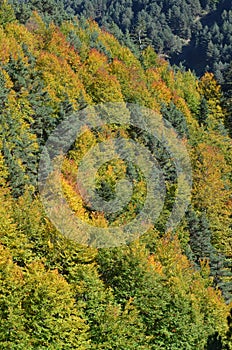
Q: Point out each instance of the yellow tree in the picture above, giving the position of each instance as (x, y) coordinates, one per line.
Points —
(212, 192)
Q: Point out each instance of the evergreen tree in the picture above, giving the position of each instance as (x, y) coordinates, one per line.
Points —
(227, 97)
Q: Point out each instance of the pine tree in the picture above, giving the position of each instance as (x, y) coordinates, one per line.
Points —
(200, 236)
(227, 99)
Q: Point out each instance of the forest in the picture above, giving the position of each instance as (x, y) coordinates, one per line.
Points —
(194, 33)
(165, 289)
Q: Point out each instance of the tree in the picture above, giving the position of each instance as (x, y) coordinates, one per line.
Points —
(6, 13)
(227, 91)
(38, 309)
(211, 192)
(177, 311)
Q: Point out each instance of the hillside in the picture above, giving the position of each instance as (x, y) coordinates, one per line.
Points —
(194, 33)
(165, 289)
(210, 46)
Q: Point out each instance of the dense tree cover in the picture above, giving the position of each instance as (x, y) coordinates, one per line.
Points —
(197, 33)
(227, 96)
(210, 47)
(164, 290)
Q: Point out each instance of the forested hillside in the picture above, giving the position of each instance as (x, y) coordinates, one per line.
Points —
(210, 46)
(164, 290)
(196, 33)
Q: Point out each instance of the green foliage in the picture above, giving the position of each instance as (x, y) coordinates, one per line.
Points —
(38, 309)
(49, 10)
(172, 308)
(173, 29)
(56, 293)
(143, 21)
(227, 100)
(176, 118)
(7, 14)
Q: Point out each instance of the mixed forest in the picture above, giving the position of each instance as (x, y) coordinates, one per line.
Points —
(195, 33)
(164, 290)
